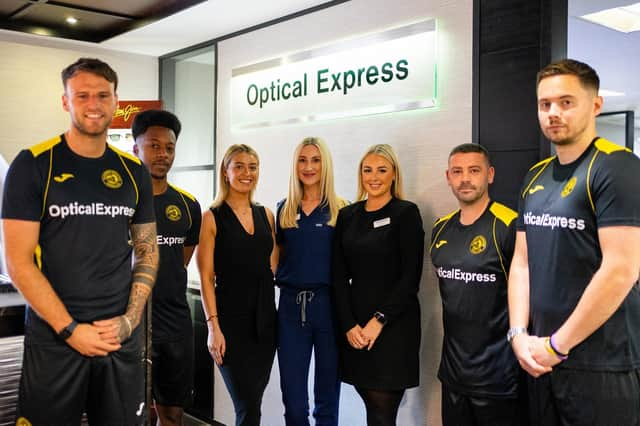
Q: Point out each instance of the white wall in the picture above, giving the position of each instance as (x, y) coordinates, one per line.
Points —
(31, 89)
(617, 133)
(421, 138)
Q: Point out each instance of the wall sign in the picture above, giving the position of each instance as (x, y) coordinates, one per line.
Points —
(389, 71)
(127, 110)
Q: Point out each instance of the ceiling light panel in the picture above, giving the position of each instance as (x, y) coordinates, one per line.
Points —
(624, 19)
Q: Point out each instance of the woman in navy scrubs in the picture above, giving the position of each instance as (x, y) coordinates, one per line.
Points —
(377, 263)
(304, 233)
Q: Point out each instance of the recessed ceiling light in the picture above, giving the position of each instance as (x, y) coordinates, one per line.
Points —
(608, 93)
(71, 20)
(625, 19)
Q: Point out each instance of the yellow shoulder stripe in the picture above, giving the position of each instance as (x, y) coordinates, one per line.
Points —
(183, 192)
(125, 154)
(445, 218)
(502, 212)
(542, 163)
(45, 146)
(608, 147)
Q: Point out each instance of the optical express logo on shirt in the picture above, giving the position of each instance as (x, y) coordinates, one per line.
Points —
(467, 277)
(548, 221)
(93, 209)
(169, 241)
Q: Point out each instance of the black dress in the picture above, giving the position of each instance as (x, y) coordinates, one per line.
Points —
(246, 308)
(377, 265)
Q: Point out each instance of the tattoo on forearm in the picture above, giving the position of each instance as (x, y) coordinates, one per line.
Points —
(145, 249)
(125, 328)
(137, 300)
(145, 269)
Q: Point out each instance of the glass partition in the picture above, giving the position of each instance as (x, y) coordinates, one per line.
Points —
(188, 90)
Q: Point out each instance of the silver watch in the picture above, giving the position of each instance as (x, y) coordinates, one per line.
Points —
(514, 331)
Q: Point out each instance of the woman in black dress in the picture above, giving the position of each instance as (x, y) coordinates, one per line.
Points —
(235, 259)
(377, 265)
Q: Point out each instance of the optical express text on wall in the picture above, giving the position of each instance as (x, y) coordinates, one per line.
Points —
(393, 70)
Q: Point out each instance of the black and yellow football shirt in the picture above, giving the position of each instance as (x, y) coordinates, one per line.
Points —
(472, 263)
(178, 220)
(85, 207)
(561, 208)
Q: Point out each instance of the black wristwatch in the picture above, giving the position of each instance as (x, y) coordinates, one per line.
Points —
(66, 332)
(380, 317)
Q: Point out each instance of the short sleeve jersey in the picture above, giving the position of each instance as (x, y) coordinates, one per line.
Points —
(178, 220)
(561, 208)
(305, 256)
(472, 264)
(85, 207)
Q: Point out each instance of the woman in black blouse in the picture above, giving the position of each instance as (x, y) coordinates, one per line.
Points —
(236, 259)
(377, 264)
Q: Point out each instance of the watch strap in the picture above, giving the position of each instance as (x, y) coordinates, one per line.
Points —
(514, 331)
(66, 332)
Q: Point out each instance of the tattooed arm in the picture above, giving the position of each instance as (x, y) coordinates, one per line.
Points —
(145, 268)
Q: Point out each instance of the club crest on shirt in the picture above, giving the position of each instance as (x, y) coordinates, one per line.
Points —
(111, 179)
(173, 213)
(568, 188)
(478, 244)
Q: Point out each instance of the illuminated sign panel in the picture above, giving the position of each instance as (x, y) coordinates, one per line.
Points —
(393, 70)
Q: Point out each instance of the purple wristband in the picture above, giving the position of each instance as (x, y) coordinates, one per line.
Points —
(557, 352)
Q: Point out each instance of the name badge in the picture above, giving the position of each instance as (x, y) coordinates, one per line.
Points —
(318, 225)
(382, 222)
(298, 216)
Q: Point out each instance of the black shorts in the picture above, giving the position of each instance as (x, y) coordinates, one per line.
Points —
(579, 397)
(173, 372)
(459, 409)
(58, 384)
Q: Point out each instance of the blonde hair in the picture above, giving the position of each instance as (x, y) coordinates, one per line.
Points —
(328, 197)
(223, 183)
(385, 151)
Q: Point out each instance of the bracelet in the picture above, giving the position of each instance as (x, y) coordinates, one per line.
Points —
(128, 324)
(548, 348)
(557, 352)
(211, 317)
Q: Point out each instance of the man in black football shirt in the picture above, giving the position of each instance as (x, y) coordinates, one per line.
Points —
(178, 220)
(471, 250)
(74, 207)
(574, 276)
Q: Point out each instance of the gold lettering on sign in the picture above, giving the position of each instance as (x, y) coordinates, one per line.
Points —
(126, 111)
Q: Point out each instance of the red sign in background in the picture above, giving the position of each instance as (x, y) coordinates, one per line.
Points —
(127, 110)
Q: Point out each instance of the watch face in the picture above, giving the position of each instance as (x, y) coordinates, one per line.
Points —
(380, 317)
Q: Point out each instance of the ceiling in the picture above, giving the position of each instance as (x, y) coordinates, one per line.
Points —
(96, 21)
(148, 27)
